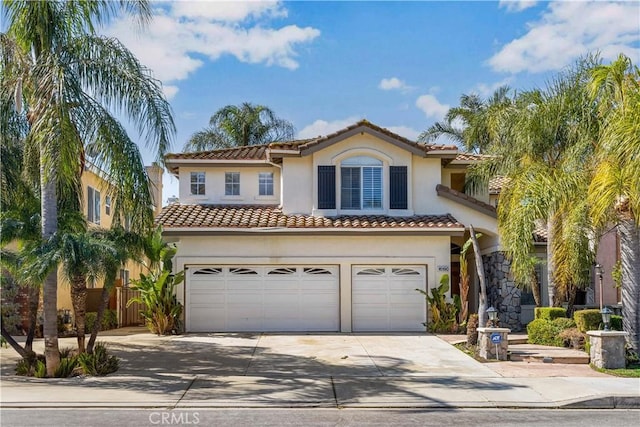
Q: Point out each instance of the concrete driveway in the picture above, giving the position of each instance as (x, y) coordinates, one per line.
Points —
(301, 355)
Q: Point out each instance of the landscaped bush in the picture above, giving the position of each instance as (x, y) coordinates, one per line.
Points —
(99, 363)
(573, 338)
(109, 320)
(545, 332)
(35, 366)
(550, 313)
(588, 320)
(616, 323)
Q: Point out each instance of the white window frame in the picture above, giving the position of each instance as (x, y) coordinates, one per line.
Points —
(265, 184)
(364, 165)
(107, 205)
(93, 205)
(232, 183)
(198, 179)
(124, 277)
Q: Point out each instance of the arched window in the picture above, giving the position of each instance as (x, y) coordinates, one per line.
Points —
(361, 183)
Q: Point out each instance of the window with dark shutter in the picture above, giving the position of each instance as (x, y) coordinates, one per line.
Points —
(326, 187)
(398, 187)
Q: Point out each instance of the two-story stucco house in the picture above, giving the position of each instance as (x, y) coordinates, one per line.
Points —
(333, 233)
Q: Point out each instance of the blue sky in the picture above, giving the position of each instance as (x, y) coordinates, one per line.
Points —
(401, 65)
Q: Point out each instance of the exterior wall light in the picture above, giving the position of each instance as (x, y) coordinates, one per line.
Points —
(606, 313)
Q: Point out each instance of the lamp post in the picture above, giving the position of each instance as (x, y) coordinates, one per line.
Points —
(600, 272)
(493, 316)
(606, 317)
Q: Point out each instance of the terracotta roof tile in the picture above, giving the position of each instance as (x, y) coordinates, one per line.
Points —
(469, 157)
(540, 234)
(252, 216)
(497, 183)
(259, 152)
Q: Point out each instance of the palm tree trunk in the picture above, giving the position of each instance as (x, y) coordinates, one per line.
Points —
(630, 263)
(50, 288)
(96, 327)
(554, 300)
(13, 343)
(571, 299)
(482, 306)
(34, 303)
(79, 302)
(535, 290)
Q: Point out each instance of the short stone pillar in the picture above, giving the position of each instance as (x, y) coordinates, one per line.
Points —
(607, 349)
(491, 338)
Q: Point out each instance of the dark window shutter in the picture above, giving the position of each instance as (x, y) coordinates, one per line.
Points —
(398, 187)
(326, 187)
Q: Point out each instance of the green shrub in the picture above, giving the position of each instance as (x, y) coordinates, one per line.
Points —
(98, 363)
(66, 367)
(40, 369)
(563, 323)
(545, 332)
(109, 320)
(588, 320)
(550, 313)
(616, 323)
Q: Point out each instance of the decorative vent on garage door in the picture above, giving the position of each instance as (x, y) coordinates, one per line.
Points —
(316, 270)
(371, 272)
(282, 270)
(208, 271)
(242, 270)
(405, 272)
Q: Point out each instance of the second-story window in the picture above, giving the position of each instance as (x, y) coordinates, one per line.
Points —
(93, 205)
(265, 183)
(197, 183)
(361, 183)
(232, 183)
(107, 205)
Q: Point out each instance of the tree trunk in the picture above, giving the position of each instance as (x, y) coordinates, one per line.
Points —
(14, 344)
(535, 290)
(34, 303)
(79, 302)
(96, 327)
(630, 263)
(551, 266)
(482, 306)
(49, 219)
(571, 300)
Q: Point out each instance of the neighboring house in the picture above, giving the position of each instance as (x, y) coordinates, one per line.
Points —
(334, 233)
(97, 208)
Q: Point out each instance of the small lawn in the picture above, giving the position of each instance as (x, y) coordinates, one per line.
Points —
(632, 371)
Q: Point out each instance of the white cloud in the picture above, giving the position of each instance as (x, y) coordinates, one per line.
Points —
(431, 107)
(405, 131)
(170, 91)
(181, 33)
(393, 83)
(323, 127)
(568, 30)
(485, 90)
(517, 5)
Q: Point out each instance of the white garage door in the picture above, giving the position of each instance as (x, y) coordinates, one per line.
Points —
(384, 298)
(262, 298)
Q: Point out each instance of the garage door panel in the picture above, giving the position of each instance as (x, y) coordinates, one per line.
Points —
(263, 298)
(384, 298)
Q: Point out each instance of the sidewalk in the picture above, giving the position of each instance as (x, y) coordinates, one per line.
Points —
(166, 376)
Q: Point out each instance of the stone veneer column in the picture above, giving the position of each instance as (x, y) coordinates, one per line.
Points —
(488, 348)
(607, 349)
(502, 292)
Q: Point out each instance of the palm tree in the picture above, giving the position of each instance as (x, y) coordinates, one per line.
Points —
(614, 192)
(67, 83)
(474, 124)
(239, 126)
(82, 257)
(550, 136)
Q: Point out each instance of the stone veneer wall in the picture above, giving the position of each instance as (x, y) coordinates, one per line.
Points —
(502, 292)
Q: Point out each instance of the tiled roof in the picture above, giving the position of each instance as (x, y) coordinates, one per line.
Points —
(470, 157)
(252, 216)
(540, 234)
(259, 152)
(466, 200)
(497, 183)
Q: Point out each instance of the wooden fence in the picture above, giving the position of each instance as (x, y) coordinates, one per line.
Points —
(128, 316)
